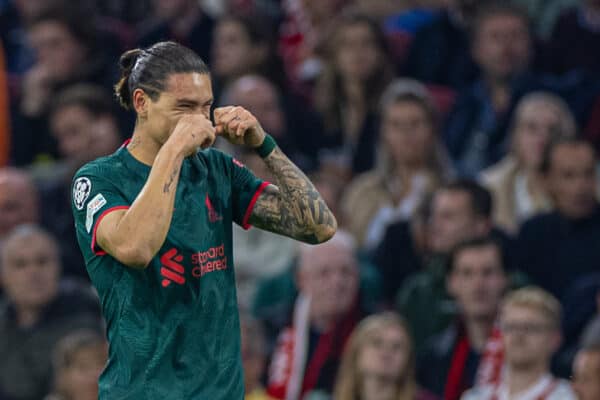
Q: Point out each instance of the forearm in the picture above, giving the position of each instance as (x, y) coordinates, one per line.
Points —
(295, 208)
(145, 224)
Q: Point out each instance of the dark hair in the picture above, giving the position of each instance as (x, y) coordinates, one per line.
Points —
(73, 18)
(149, 68)
(563, 141)
(481, 199)
(498, 8)
(94, 99)
(476, 243)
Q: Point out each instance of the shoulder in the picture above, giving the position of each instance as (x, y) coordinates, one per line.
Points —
(539, 224)
(563, 391)
(101, 167)
(363, 185)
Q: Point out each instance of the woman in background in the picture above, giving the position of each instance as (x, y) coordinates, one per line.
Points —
(516, 182)
(379, 362)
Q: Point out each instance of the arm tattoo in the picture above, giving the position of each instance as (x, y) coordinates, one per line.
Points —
(294, 207)
(167, 186)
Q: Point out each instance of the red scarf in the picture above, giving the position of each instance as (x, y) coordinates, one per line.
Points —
(291, 374)
(488, 371)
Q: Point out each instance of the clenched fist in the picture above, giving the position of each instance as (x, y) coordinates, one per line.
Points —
(238, 126)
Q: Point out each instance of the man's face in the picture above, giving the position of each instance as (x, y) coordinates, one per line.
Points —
(82, 136)
(185, 93)
(477, 281)
(260, 98)
(452, 220)
(330, 277)
(57, 50)
(586, 375)
(502, 46)
(18, 202)
(529, 337)
(572, 179)
(30, 270)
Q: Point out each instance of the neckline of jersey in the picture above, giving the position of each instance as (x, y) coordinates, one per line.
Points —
(133, 162)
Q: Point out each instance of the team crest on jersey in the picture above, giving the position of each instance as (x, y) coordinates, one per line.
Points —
(81, 191)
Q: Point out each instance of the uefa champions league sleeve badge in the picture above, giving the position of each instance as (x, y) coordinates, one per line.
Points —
(81, 191)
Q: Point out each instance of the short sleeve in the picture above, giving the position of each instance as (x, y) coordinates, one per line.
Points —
(245, 190)
(93, 196)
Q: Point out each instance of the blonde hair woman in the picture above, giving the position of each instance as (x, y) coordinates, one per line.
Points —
(411, 164)
(379, 362)
(516, 181)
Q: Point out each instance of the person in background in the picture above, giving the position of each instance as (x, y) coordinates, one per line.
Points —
(379, 362)
(415, 281)
(254, 357)
(78, 360)
(181, 20)
(68, 50)
(576, 31)
(502, 49)
(240, 46)
(440, 54)
(37, 312)
(450, 362)
(411, 164)
(530, 323)
(516, 182)
(325, 312)
(586, 372)
(356, 71)
(558, 247)
(84, 123)
(19, 200)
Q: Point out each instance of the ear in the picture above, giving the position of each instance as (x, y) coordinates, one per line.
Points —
(140, 102)
(557, 340)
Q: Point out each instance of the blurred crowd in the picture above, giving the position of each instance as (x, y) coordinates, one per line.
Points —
(455, 140)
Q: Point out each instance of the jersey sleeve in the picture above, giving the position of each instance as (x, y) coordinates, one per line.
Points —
(245, 190)
(93, 196)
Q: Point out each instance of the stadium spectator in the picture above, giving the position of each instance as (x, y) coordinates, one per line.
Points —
(183, 21)
(440, 52)
(530, 323)
(412, 256)
(476, 127)
(240, 46)
(576, 31)
(19, 200)
(325, 313)
(356, 71)
(379, 362)
(476, 279)
(78, 360)
(67, 48)
(410, 165)
(296, 130)
(516, 182)
(83, 121)
(557, 247)
(306, 27)
(586, 372)
(254, 357)
(37, 312)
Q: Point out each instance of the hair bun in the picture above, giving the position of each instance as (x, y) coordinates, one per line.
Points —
(128, 59)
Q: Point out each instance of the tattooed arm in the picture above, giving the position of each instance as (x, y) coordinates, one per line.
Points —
(293, 208)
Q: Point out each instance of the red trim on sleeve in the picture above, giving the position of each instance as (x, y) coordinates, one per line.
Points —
(260, 189)
(104, 214)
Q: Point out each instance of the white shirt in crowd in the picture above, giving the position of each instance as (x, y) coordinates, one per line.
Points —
(546, 388)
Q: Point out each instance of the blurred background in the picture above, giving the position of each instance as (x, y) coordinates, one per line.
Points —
(455, 140)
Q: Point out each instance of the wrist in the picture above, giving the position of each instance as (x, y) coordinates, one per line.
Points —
(266, 147)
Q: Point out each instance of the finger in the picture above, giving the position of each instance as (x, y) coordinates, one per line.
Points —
(220, 112)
